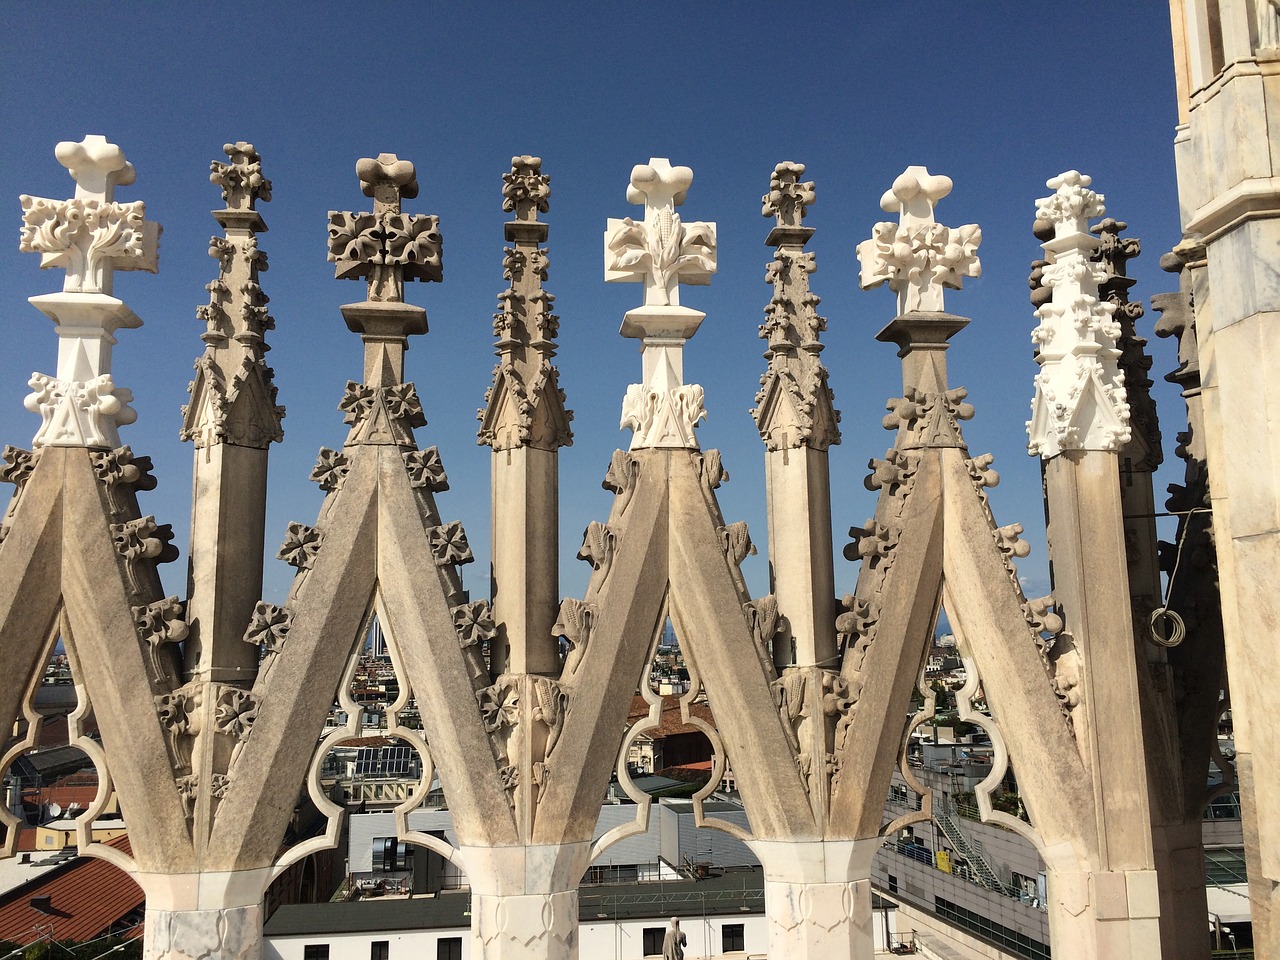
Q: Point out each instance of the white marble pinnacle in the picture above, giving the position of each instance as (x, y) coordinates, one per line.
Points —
(1080, 401)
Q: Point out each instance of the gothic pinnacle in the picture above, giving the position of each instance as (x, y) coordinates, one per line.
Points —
(385, 248)
(233, 395)
(525, 405)
(794, 406)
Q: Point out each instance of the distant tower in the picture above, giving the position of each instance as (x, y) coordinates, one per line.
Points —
(377, 642)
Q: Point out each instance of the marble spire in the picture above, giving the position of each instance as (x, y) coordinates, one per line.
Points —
(525, 422)
(232, 418)
(1080, 401)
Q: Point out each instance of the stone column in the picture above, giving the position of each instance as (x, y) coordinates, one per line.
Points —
(232, 419)
(797, 420)
(818, 897)
(200, 916)
(524, 900)
(525, 423)
(1226, 157)
(1080, 420)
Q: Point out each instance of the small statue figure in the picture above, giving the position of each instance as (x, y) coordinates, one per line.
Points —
(674, 942)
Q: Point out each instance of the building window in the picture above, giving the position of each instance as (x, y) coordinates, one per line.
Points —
(380, 950)
(893, 883)
(315, 951)
(733, 937)
(653, 941)
(449, 948)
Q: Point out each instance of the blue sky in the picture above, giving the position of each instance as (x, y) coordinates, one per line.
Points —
(998, 96)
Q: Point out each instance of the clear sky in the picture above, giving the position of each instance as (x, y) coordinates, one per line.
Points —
(999, 96)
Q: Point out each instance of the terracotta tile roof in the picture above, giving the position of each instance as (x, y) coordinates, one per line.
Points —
(671, 723)
(87, 897)
(700, 766)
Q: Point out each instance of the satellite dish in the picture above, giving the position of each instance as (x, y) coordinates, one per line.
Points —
(55, 810)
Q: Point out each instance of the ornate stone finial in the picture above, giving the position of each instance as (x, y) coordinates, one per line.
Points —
(96, 166)
(1080, 401)
(233, 394)
(386, 247)
(89, 236)
(241, 180)
(1143, 452)
(918, 256)
(525, 405)
(526, 189)
(794, 406)
(662, 252)
(788, 200)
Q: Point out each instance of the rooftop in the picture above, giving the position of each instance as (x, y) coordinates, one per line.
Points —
(82, 898)
(737, 891)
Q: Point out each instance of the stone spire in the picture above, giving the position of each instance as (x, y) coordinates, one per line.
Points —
(795, 406)
(918, 256)
(525, 422)
(797, 421)
(386, 248)
(232, 418)
(661, 252)
(90, 237)
(233, 394)
(525, 405)
(1080, 401)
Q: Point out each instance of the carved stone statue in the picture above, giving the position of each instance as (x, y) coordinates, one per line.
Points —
(674, 942)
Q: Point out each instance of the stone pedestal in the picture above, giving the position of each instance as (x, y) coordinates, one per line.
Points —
(524, 900)
(817, 897)
(1103, 914)
(201, 916)
(531, 927)
(230, 933)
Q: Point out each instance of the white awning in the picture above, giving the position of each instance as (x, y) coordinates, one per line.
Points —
(1229, 903)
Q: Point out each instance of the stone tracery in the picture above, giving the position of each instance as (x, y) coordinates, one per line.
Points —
(811, 722)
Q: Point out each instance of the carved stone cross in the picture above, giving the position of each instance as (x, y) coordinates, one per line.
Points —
(386, 246)
(918, 256)
(661, 251)
(89, 236)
